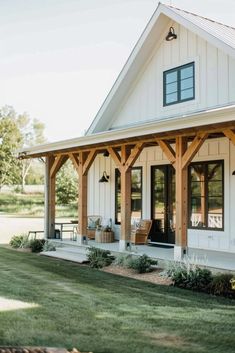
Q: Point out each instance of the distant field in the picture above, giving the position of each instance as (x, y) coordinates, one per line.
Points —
(31, 205)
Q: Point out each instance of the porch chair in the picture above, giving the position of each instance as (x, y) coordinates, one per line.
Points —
(140, 234)
(92, 223)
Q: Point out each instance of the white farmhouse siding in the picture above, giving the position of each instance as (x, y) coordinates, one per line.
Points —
(214, 80)
(101, 200)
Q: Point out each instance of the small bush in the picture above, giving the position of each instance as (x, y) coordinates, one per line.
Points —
(36, 245)
(99, 258)
(123, 260)
(48, 246)
(142, 264)
(221, 285)
(190, 276)
(19, 241)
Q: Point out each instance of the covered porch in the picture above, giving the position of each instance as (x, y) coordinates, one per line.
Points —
(124, 146)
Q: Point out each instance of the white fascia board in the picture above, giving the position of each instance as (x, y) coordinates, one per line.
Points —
(213, 116)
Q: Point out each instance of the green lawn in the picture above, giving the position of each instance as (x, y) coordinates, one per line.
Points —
(99, 312)
(32, 205)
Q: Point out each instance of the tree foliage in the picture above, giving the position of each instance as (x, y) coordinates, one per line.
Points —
(66, 184)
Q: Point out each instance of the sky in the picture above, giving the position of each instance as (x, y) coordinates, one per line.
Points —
(60, 58)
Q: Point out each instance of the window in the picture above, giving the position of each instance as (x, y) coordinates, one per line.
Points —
(206, 195)
(178, 84)
(136, 194)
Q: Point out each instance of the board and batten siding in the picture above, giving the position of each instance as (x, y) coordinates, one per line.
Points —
(101, 196)
(214, 80)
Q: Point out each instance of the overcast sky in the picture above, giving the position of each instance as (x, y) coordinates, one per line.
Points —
(59, 58)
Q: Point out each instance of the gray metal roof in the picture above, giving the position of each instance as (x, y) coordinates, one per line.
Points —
(218, 30)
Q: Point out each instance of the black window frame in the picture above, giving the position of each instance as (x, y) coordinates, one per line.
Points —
(179, 90)
(205, 164)
(117, 174)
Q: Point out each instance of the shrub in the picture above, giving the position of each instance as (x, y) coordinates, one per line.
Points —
(186, 275)
(19, 241)
(142, 263)
(99, 258)
(123, 260)
(36, 245)
(48, 246)
(221, 285)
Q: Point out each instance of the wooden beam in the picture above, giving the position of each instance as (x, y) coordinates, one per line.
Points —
(89, 160)
(115, 156)
(230, 135)
(58, 162)
(75, 161)
(193, 148)
(167, 150)
(135, 152)
(82, 208)
(125, 207)
(49, 226)
(181, 183)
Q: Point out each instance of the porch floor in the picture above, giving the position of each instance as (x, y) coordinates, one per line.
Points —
(209, 258)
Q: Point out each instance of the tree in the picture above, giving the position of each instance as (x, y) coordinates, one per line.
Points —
(32, 132)
(10, 141)
(67, 184)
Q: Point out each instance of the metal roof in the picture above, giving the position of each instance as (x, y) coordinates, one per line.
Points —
(219, 30)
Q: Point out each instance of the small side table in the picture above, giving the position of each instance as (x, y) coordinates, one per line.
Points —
(102, 236)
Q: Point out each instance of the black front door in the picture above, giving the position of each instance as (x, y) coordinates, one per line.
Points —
(163, 204)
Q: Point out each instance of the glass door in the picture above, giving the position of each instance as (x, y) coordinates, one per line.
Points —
(163, 204)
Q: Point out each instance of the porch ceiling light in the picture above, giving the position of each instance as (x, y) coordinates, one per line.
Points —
(171, 34)
(104, 178)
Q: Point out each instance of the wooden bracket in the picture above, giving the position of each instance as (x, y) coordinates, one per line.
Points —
(88, 161)
(135, 152)
(230, 135)
(57, 164)
(193, 148)
(75, 161)
(115, 156)
(168, 150)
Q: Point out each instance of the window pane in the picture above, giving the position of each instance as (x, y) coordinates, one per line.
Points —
(136, 193)
(171, 88)
(187, 83)
(215, 212)
(215, 171)
(170, 98)
(197, 218)
(197, 188)
(186, 72)
(186, 94)
(215, 188)
(171, 77)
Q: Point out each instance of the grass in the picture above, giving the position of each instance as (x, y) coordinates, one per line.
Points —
(32, 205)
(103, 313)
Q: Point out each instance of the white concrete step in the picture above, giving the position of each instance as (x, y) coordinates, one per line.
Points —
(70, 254)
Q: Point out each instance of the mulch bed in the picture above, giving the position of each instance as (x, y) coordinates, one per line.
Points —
(153, 277)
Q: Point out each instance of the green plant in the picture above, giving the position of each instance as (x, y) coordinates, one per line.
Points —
(221, 285)
(142, 263)
(99, 258)
(186, 275)
(19, 241)
(123, 260)
(36, 245)
(49, 246)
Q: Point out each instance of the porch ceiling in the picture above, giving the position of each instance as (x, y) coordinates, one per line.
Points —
(213, 122)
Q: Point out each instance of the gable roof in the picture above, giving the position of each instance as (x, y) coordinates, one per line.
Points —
(219, 35)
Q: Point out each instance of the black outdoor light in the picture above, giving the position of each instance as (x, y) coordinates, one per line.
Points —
(233, 173)
(106, 153)
(171, 34)
(104, 178)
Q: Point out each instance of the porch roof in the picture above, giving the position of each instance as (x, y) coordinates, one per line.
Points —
(211, 120)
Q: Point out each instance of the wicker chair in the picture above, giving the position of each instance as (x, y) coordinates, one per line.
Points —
(140, 234)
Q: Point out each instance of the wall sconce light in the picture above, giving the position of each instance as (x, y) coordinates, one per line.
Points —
(233, 173)
(106, 153)
(104, 178)
(171, 34)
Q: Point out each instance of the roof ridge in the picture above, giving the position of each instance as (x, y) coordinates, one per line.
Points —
(205, 18)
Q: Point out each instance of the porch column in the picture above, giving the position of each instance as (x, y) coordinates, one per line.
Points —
(181, 183)
(49, 217)
(125, 208)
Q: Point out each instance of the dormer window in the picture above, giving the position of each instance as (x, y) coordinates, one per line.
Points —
(179, 84)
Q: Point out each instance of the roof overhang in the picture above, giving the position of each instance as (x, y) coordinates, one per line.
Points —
(165, 128)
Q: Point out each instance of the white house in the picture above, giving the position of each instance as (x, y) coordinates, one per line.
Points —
(167, 129)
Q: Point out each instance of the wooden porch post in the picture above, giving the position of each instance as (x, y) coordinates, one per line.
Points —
(125, 208)
(181, 182)
(49, 219)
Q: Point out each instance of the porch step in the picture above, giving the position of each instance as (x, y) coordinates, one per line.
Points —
(67, 253)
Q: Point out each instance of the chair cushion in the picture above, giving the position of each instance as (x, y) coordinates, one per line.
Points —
(93, 222)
